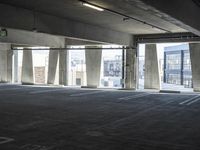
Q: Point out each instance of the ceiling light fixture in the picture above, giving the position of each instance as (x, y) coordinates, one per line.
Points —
(93, 6)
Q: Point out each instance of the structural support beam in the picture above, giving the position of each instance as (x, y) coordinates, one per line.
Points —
(130, 79)
(63, 67)
(194, 56)
(93, 66)
(32, 38)
(59, 26)
(53, 60)
(5, 63)
(27, 68)
(82, 42)
(152, 73)
(167, 38)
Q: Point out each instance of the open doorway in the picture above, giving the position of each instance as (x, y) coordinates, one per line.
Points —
(77, 67)
(177, 72)
(174, 66)
(111, 67)
(141, 66)
(40, 66)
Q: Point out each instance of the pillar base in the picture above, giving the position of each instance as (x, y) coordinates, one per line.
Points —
(23, 83)
(169, 91)
(133, 89)
(89, 87)
(195, 90)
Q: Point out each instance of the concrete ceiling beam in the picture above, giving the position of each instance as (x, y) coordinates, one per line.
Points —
(167, 38)
(24, 19)
(32, 39)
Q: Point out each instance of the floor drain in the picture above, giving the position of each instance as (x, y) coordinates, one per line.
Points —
(4, 140)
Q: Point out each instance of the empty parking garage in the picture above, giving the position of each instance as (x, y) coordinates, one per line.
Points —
(99, 75)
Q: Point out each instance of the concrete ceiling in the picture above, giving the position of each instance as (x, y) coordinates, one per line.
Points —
(73, 9)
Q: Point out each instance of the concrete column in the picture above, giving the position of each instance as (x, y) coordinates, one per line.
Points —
(93, 66)
(27, 68)
(152, 74)
(5, 63)
(63, 67)
(53, 60)
(130, 79)
(195, 62)
(9, 65)
(15, 71)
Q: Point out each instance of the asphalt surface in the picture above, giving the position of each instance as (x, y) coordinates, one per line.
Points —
(55, 118)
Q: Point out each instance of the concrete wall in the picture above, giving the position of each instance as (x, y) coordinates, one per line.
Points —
(5, 63)
(195, 62)
(93, 66)
(152, 74)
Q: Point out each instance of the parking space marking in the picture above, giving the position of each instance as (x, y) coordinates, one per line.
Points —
(194, 101)
(86, 93)
(4, 140)
(47, 91)
(134, 96)
(190, 100)
(13, 88)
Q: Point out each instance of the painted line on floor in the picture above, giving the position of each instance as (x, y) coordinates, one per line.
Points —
(46, 91)
(131, 96)
(4, 140)
(8, 89)
(190, 100)
(86, 93)
(194, 101)
(134, 96)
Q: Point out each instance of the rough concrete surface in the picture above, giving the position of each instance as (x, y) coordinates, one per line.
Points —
(55, 118)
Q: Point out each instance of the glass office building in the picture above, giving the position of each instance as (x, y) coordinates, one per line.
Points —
(177, 65)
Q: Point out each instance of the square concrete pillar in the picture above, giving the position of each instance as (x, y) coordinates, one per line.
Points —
(15, 69)
(63, 67)
(27, 68)
(152, 78)
(9, 65)
(130, 79)
(93, 66)
(195, 63)
(53, 60)
(6, 55)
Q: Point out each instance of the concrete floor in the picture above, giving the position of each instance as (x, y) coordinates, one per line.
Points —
(44, 118)
(166, 86)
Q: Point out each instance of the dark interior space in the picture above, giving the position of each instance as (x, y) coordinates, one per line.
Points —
(43, 118)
